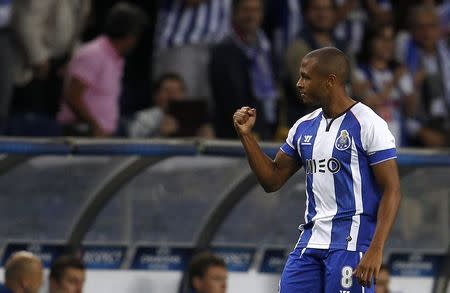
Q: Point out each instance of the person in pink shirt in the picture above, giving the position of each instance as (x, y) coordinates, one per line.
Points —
(92, 83)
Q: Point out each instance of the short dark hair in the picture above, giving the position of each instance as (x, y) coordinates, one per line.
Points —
(331, 60)
(168, 76)
(200, 264)
(62, 263)
(124, 19)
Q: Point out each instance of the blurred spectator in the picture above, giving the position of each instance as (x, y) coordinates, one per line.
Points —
(23, 274)
(444, 13)
(427, 56)
(283, 20)
(136, 88)
(46, 32)
(442, 8)
(207, 273)
(67, 275)
(353, 16)
(382, 83)
(158, 121)
(320, 17)
(6, 61)
(93, 79)
(185, 29)
(241, 72)
(382, 283)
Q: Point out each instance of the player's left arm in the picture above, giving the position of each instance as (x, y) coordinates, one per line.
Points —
(386, 175)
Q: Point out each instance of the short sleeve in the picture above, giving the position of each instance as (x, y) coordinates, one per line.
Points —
(290, 146)
(379, 142)
(84, 66)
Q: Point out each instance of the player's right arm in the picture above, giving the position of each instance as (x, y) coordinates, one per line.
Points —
(271, 174)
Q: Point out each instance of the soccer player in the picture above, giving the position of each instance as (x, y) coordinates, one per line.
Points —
(352, 182)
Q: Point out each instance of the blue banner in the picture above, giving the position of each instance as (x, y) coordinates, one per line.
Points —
(415, 265)
(273, 261)
(161, 258)
(103, 257)
(238, 259)
(46, 252)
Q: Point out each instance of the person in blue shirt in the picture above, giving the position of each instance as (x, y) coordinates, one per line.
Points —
(23, 274)
(352, 181)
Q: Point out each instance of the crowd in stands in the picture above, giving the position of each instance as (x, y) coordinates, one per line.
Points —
(182, 67)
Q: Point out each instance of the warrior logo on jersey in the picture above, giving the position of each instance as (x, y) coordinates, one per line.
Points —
(343, 141)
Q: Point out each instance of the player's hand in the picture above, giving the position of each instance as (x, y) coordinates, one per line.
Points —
(244, 120)
(369, 267)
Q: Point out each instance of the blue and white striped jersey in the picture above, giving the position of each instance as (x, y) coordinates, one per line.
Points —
(179, 24)
(342, 196)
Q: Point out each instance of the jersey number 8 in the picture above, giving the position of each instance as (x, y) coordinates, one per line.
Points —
(347, 281)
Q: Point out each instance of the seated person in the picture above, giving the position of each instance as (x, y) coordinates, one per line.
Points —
(207, 274)
(167, 118)
(67, 275)
(23, 273)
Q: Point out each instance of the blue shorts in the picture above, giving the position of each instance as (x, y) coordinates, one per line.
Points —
(322, 271)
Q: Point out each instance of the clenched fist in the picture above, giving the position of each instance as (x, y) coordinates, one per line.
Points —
(244, 120)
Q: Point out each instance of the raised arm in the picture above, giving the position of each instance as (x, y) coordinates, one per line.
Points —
(386, 175)
(271, 174)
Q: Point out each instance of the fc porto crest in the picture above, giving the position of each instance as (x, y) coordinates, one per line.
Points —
(343, 141)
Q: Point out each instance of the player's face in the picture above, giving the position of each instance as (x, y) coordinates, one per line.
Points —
(72, 281)
(214, 281)
(311, 85)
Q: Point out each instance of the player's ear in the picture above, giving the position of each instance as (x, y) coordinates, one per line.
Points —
(331, 80)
